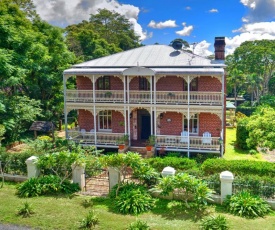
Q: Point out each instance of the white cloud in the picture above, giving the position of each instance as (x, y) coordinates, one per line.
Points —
(201, 48)
(63, 12)
(162, 25)
(186, 31)
(188, 8)
(213, 11)
(250, 32)
(260, 10)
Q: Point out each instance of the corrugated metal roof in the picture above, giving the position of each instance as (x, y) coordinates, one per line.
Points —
(150, 56)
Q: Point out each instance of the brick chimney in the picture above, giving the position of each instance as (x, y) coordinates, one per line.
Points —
(219, 48)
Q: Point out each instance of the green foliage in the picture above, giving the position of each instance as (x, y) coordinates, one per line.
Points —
(139, 225)
(87, 203)
(218, 222)
(47, 185)
(242, 133)
(256, 185)
(14, 163)
(261, 127)
(90, 221)
(271, 87)
(134, 201)
(178, 163)
(238, 167)
(248, 110)
(26, 210)
(246, 205)
(188, 187)
(124, 188)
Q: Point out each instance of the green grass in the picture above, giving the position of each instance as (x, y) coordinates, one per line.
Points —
(65, 213)
(234, 153)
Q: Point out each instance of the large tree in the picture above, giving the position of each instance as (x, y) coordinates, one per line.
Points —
(257, 58)
(33, 55)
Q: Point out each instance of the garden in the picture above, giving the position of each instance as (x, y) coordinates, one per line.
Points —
(52, 201)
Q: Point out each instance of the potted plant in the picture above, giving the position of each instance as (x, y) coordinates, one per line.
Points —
(122, 141)
(151, 141)
(108, 94)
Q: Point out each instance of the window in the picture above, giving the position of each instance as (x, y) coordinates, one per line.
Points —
(193, 85)
(105, 120)
(193, 124)
(103, 83)
(144, 84)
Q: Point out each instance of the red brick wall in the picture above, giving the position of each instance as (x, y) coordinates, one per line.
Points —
(171, 128)
(134, 84)
(116, 83)
(84, 83)
(209, 84)
(117, 117)
(210, 123)
(85, 120)
(170, 83)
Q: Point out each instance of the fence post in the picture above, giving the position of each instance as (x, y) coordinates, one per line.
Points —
(226, 178)
(32, 169)
(114, 177)
(79, 175)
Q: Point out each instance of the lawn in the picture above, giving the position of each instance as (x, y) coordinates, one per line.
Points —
(234, 153)
(66, 212)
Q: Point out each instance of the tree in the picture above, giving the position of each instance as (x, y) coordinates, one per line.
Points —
(115, 28)
(257, 58)
(261, 127)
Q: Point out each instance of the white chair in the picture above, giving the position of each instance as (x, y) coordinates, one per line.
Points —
(83, 132)
(206, 138)
(184, 137)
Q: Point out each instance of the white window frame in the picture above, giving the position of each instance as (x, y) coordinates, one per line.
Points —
(108, 114)
(191, 124)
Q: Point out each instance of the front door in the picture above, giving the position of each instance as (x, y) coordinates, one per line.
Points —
(145, 127)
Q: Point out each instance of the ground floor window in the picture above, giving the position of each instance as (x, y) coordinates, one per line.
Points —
(193, 124)
(105, 120)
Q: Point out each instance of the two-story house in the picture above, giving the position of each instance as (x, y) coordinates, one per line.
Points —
(177, 96)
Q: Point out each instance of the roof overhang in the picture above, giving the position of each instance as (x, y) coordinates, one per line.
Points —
(141, 71)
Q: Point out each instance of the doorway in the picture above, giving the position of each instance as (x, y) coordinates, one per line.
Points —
(144, 125)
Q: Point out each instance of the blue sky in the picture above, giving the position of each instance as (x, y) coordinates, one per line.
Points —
(161, 21)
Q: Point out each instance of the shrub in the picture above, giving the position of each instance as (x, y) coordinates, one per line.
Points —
(47, 185)
(134, 201)
(14, 163)
(214, 223)
(26, 210)
(239, 167)
(90, 221)
(242, 133)
(139, 225)
(178, 163)
(246, 205)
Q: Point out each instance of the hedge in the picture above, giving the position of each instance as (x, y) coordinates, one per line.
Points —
(177, 163)
(239, 167)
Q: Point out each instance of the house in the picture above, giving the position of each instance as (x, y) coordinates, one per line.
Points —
(155, 90)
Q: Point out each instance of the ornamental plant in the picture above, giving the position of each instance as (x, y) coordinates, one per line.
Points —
(246, 205)
(214, 223)
(188, 187)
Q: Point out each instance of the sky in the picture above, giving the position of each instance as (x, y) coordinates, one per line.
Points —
(161, 21)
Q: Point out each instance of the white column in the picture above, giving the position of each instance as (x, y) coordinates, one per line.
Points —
(226, 178)
(79, 175)
(188, 114)
(114, 177)
(65, 105)
(223, 108)
(32, 169)
(94, 109)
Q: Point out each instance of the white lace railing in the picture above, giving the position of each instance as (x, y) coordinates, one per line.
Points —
(162, 97)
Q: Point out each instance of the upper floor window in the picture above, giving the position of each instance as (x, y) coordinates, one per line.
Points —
(193, 85)
(103, 83)
(105, 120)
(143, 84)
